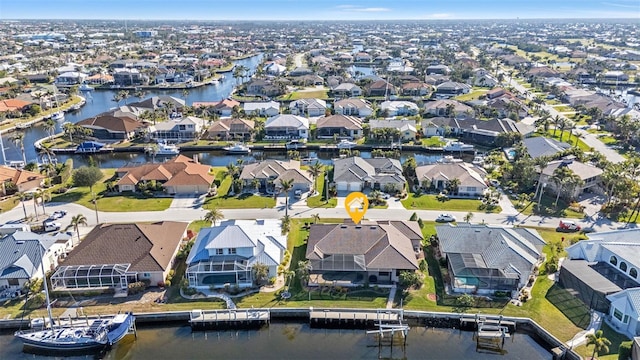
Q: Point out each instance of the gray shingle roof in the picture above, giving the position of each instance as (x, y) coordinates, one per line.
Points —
(542, 146)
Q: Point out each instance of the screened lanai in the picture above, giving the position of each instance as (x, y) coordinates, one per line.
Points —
(223, 270)
(90, 276)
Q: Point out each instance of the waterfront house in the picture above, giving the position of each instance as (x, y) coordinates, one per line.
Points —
(399, 108)
(451, 88)
(451, 108)
(371, 253)
(415, 89)
(484, 259)
(263, 87)
(438, 69)
(179, 130)
(345, 90)
(23, 180)
(231, 129)
(406, 128)
(483, 132)
(180, 175)
(70, 78)
(112, 256)
(339, 125)
(437, 176)
(308, 107)
(21, 254)
(266, 108)
(106, 126)
(381, 88)
(353, 107)
(604, 264)
(355, 174)
(542, 146)
(589, 174)
(273, 68)
(224, 255)
(268, 173)
(225, 107)
(129, 77)
(286, 126)
(9, 105)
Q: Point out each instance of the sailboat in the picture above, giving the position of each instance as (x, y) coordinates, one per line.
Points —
(97, 335)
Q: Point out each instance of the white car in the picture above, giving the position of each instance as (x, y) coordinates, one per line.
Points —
(52, 226)
(297, 194)
(445, 218)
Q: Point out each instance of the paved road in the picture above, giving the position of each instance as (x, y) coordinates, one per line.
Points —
(590, 139)
(190, 214)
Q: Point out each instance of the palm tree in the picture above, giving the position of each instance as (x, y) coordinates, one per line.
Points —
(316, 218)
(599, 342)
(556, 120)
(468, 217)
(303, 270)
(256, 184)
(18, 141)
(286, 186)
(44, 196)
(559, 179)
(69, 129)
(213, 216)
(315, 170)
(23, 196)
(260, 273)
(452, 186)
(49, 126)
(46, 150)
(286, 224)
(76, 221)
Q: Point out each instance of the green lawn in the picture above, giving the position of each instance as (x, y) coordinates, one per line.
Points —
(117, 203)
(8, 204)
(430, 202)
(434, 141)
(562, 210)
(615, 339)
(243, 201)
(317, 201)
(568, 138)
(317, 94)
(473, 95)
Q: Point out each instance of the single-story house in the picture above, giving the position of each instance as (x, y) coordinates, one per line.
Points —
(399, 108)
(407, 128)
(23, 180)
(225, 107)
(269, 108)
(415, 89)
(353, 107)
(308, 107)
(381, 88)
(589, 174)
(13, 105)
(270, 172)
(437, 176)
(451, 108)
(484, 132)
(375, 253)
(106, 126)
(355, 174)
(181, 129)
(542, 146)
(225, 255)
(484, 259)
(452, 88)
(231, 128)
(116, 255)
(180, 175)
(24, 254)
(347, 90)
(287, 126)
(340, 125)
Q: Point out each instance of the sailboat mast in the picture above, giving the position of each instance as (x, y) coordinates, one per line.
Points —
(44, 282)
(4, 156)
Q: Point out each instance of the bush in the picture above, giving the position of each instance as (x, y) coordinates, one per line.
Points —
(420, 223)
(414, 217)
(410, 279)
(272, 280)
(189, 291)
(423, 265)
(136, 287)
(624, 351)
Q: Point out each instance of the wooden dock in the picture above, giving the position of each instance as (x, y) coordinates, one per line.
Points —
(473, 322)
(357, 319)
(231, 318)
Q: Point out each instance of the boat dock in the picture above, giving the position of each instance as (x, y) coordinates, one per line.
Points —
(358, 319)
(474, 322)
(231, 318)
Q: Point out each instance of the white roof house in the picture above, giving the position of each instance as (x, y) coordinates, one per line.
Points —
(225, 254)
(264, 108)
(399, 108)
(287, 126)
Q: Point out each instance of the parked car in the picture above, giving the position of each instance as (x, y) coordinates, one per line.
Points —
(445, 218)
(494, 182)
(567, 226)
(58, 214)
(51, 226)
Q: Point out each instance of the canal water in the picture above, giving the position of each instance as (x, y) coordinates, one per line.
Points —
(294, 341)
(99, 101)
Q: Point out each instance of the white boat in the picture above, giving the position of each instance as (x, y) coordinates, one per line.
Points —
(237, 148)
(457, 146)
(85, 87)
(95, 336)
(308, 160)
(58, 115)
(346, 144)
(478, 160)
(167, 149)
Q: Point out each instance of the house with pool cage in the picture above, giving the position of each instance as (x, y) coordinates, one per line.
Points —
(224, 255)
(112, 256)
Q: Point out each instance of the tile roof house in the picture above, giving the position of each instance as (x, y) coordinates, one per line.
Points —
(270, 172)
(226, 254)
(106, 126)
(225, 106)
(181, 129)
(356, 173)
(487, 258)
(606, 263)
(308, 107)
(180, 175)
(342, 126)
(115, 255)
(590, 175)
(13, 105)
(451, 108)
(381, 88)
(286, 126)
(437, 176)
(23, 179)
(353, 107)
(231, 128)
(22, 252)
(407, 128)
(367, 253)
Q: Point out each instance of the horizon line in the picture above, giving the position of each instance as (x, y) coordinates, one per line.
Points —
(334, 20)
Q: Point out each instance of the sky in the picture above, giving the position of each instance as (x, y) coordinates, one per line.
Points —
(317, 9)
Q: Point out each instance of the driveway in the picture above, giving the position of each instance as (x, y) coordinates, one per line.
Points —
(189, 201)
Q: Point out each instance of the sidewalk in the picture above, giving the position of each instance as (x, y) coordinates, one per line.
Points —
(594, 325)
(392, 295)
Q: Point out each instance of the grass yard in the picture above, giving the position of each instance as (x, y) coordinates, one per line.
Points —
(8, 203)
(243, 201)
(613, 336)
(568, 138)
(434, 141)
(117, 203)
(316, 201)
(317, 94)
(430, 202)
(562, 210)
(473, 95)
